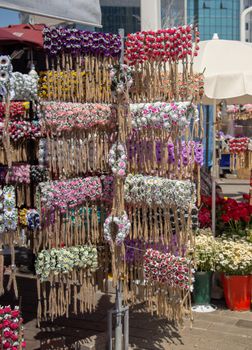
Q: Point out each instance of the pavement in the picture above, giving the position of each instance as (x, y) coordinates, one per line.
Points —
(220, 330)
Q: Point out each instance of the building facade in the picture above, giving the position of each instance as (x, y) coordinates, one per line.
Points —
(120, 14)
(248, 25)
(215, 16)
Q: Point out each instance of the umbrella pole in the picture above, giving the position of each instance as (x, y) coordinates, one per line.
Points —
(214, 171)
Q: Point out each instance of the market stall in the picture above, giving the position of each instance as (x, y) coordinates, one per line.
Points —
(109, 183)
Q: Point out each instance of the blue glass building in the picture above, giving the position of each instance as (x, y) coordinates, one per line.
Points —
(215, 16)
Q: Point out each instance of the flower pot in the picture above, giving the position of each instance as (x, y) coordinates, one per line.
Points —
(237, 292)
(202, 288)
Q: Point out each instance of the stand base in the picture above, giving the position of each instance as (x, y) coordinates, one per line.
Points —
(204, 308)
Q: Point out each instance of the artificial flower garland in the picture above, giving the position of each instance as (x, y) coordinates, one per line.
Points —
(21, 129)
(71, 193)
(91, 85)
(175, 271)
(11, 329)
(123, 224)
(80, 42)
(19, 86)
(238, 147)
(64, 260)
(162, 45)
(67, 117)
(118, 159)
(121, 78)
(161, 115)
(18, 110)
(157, 191)
(70, 271)
(162, 157)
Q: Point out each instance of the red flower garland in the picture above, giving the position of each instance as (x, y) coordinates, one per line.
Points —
(11, 329)
(238, 145)
(163, 45)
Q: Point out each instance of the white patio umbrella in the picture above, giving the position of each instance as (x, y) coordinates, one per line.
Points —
(227, 67)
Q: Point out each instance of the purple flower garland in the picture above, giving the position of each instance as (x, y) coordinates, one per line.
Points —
(80, 42)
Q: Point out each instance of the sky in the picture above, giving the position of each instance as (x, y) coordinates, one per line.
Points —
(8, 17)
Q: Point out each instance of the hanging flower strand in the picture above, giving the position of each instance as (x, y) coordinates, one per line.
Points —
(118, 159)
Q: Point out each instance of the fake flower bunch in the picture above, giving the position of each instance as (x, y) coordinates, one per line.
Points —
(5, 75)
(11, 329)
(47, 79)
(65, 260)
(191, 152)
(71, 193)
(68, 116)
(20, 174)
(17, 110)
(237, 145)
(168, 269)
(33, 219)
(25, 86)
(8, 211)
(123, 227)
(80, 42)
(42, 152)
(163, 115)
(234, 257)
(118, 159)
(23, 217)
(107, 188)
(121, 78)
(163, 45)
(39, 173)
(20, 86)
(22, 129)
(154, 190)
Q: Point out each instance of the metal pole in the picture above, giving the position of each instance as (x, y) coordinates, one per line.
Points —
(110, 330)
(126, 328)
(214, 171)
(185, 12)
(121, 32)
(118, 326)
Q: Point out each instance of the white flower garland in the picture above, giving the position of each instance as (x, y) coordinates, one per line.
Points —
(154, 190)
(123, 225)
(118, 159)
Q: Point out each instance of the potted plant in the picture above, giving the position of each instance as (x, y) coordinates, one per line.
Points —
(205, 253)
(234, 259)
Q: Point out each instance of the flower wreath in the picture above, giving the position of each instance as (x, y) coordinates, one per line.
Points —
(121, 78)
(123, 225)
(118, 159)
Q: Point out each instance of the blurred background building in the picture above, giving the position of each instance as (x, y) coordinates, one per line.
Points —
(212, 16)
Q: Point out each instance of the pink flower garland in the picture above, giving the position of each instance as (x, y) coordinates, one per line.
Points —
(20, 174)
(167, 269)
(11, 337)
(163, 45)
(74, 192)
(68, 116)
